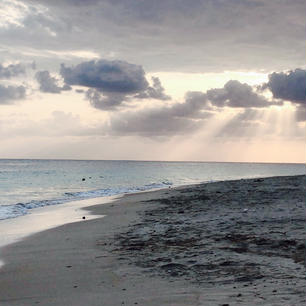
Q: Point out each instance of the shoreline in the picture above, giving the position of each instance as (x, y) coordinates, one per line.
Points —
(109, 198)
(118, 259)
(176, 175)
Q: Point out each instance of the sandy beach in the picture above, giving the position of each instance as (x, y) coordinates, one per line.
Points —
(226, 243)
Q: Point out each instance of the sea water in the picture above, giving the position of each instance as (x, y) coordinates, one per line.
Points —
(28, 184)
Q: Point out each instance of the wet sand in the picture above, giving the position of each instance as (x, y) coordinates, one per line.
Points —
(226, 243)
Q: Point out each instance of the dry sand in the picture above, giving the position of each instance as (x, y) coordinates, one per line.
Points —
(226, 243)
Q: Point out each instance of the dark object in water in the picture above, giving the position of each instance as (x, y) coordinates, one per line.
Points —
(83, 179)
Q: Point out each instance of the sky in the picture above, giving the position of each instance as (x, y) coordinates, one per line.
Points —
(178, 80)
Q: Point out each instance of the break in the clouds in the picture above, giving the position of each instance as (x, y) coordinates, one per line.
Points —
(49, 84)
(8, 94)
(12, 70)
(112, 83)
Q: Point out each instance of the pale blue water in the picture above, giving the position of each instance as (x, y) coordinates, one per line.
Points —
(26, 184)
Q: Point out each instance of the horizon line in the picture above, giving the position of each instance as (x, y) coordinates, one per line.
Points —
(145, 160)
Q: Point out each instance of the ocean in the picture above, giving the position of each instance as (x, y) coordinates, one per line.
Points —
(28, 184)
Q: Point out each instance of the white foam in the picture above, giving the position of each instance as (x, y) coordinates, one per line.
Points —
(21, 209)
(13, 230)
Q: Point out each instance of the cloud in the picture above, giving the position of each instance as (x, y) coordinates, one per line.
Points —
(108, 101)
(290, 86)
(49, 84)
(12, 70)
(236, 94)
(111, 83)
(149, 30)
(106, 76)
(175, 119)
(156, 91)
(151, 123)
(59, 3)
(8, 94)
(193, 106)
(186, 117)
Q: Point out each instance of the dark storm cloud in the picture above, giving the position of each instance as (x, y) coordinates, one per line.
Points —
(236, 94)
(170, 35)
(12, 70)
(49, 84)
(112, 83)
(106, 76)
(8, 94)
(290, 86)
(176, 119)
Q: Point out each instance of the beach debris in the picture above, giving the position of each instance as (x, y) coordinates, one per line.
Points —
(83, 179)
(83, 217)
(178, 237)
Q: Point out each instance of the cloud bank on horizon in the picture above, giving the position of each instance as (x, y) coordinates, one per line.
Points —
(111, 85)
(111, 53)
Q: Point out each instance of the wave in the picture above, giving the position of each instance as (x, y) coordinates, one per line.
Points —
(20, 209)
